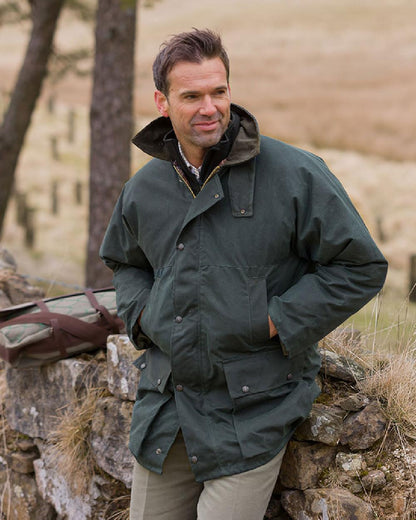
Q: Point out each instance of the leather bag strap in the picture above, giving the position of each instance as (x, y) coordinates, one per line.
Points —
(102, 310)
(88, 332)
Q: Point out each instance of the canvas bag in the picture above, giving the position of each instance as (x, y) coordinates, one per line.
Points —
(35, 333)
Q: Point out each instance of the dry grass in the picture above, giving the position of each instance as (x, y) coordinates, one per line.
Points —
(69, 442)
(389, 355)
(391, 380)
(334, 74)
(393, 383)
(329, 76)
(118, 508)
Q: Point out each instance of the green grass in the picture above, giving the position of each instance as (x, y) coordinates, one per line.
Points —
(387, 324)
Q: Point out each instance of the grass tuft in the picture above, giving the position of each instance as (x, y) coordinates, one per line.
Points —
(69, 442)
(393, 384)
(118, 508)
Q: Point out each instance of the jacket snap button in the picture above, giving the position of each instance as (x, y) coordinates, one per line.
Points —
(158, 381)
(158, 451)
(290, 376)
(181, 247)
(217, 196)
(178, 319)
(194, 459)
(143, 365)
(179, 388)
(245, 389)
(242, 211)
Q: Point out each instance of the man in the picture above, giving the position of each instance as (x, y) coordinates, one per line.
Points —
(233, 254)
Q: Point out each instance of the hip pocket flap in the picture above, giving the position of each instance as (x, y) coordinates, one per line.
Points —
(155, 369)
(256, 373)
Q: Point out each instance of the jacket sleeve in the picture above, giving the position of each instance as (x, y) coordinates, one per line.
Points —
(133, 274)
(346, 267)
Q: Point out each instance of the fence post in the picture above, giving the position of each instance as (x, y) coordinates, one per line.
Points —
(78, 192)
(412, 279)
(380, 229)
(30, 228)
(54, 147)
(21, 208)
(51, 104)
(71, 126)
(54, 198)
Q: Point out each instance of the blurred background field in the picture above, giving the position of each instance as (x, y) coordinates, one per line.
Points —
(335, 77)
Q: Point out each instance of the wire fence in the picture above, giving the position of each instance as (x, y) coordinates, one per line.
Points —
(52, 282)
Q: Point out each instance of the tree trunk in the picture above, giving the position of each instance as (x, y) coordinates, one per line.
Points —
(16, 121)
(111, 124)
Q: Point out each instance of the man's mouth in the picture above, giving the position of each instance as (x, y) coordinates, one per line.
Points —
(206, 125)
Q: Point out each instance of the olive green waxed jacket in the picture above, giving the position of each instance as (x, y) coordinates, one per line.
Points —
(272, 232)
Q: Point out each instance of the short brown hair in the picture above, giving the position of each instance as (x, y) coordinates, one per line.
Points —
(193, 46)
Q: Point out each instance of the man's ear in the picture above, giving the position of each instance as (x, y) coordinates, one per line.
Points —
(161, 103)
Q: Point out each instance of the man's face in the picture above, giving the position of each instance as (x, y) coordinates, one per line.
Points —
(198, 105)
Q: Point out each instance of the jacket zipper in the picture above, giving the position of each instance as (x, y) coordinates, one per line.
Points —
(178, 171)
(214, 171)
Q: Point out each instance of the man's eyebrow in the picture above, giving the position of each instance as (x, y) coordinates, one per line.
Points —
(187, 92)
(196, 92)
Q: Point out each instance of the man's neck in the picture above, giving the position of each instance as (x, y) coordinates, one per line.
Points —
(196, 170)
(193, 158)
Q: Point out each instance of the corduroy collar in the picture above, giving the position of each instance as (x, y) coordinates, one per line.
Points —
(154, 138)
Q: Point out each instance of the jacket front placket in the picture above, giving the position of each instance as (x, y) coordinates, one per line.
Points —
(188, 349)
(186, 284)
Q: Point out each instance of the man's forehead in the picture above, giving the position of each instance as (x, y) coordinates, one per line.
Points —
(190, 70)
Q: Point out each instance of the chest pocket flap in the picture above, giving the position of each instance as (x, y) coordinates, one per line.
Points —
(241, 188)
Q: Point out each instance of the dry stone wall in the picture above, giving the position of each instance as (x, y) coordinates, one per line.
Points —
(329, 469)
(332, 439)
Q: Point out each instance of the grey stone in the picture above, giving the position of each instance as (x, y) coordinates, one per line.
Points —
(354, 402)
(25, 444)
(351, 463)
(7, 260)
(324, 425)
(21, 499)
(374, 480)
(44, 391)
(55, 489)
(110, 436)
(352, 483)
(17, 289)
(123, 376)
(4, 300)
(22, 462)
(362, 429)
(304, 463)
(3, 386)
(339, 367)
(324, 504)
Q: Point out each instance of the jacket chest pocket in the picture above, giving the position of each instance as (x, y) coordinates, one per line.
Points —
(235, 308)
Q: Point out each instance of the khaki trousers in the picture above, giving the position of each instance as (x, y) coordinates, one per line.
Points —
(175, 495)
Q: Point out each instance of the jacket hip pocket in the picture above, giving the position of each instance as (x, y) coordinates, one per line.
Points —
(270, 398)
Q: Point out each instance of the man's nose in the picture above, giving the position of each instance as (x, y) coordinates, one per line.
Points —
(207, 108)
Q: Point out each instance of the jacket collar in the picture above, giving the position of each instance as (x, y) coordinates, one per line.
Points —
(246, 145)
